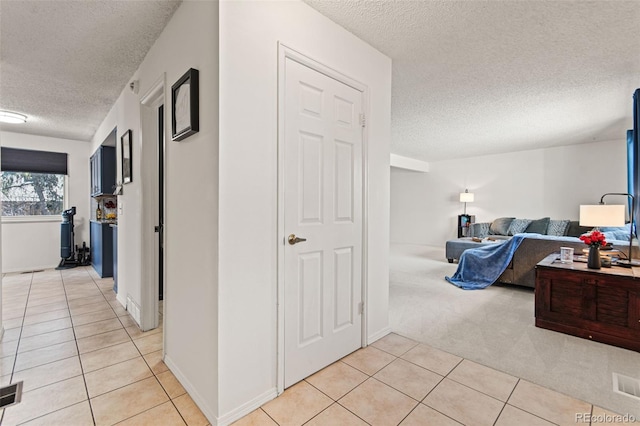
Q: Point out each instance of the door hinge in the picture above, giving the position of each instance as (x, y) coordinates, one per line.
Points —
(363, 120)
(361, 308)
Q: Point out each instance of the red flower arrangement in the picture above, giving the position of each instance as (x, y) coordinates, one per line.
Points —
(594, 239)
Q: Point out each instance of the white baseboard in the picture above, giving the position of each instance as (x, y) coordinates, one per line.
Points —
(247, 408)
(378, 335)
(197, 398)
(122, 299)
(227, 418)
(28, 269)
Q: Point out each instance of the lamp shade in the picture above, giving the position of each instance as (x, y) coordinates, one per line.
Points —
(466, 197)
(602, 215)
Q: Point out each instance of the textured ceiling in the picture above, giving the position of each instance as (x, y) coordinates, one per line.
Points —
(469, 77)
(478, 77)
(64, 63)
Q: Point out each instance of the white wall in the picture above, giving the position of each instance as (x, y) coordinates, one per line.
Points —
(35, 244)
(190, 40)
(220, 306)
(528, 184)
(249, 35)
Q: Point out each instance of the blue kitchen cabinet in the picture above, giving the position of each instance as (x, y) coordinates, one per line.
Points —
(101, 248)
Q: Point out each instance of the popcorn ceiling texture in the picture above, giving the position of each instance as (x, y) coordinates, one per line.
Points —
(469, 77)
(481, 77)
(64, 63)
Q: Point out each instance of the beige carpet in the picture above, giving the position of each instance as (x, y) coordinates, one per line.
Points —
(495, 327)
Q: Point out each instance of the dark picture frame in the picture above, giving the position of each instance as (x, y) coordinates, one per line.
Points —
(184, 106)
(126, 149)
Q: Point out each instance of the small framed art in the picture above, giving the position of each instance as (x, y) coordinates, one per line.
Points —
(184, 106)
(126, 150)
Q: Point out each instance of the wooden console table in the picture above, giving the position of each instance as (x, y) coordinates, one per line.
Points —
(601, 304)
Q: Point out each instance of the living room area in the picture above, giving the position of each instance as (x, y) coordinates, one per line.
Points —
(495, 326)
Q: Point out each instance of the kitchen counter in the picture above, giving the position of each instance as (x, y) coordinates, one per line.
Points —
(109, 222)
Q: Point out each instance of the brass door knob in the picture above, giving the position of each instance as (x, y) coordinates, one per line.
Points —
(294, 240)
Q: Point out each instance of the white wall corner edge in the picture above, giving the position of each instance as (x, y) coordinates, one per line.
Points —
(409, 163)
(378, 335)
(244, 409)
(191, 390)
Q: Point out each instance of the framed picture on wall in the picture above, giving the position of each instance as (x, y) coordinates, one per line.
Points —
(126, 150)
(184, 106)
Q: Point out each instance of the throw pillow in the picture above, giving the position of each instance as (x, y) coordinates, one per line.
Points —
(538, 226)
(557, 227)
(518, 226)
(575, 230)
(500, 226)
(480, 230)
(617, 233)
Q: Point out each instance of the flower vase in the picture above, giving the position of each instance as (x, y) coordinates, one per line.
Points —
(593, 261)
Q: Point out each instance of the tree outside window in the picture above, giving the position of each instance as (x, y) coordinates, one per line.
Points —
(32, 194)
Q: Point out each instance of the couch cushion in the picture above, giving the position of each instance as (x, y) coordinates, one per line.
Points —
(557, 227)
(518, 226)
(500, 226)
(538, 226)
(575, 230)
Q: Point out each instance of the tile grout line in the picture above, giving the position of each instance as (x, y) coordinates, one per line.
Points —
(507, 401)
(334, 401)
(355, 387)
(266, 414)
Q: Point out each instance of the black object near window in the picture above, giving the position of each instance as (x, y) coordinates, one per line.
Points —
(25, 160)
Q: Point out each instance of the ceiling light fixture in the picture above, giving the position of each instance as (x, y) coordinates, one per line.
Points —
(12, 117)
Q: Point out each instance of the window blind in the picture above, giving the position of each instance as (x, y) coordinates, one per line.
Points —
(25, 160)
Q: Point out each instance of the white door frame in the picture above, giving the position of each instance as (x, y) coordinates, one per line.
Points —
(149, 104)
(284, 53)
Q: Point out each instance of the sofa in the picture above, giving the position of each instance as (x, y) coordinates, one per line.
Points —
(546, 237)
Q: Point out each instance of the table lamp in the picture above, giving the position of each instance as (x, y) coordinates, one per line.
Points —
(466, 197)
(610, 215)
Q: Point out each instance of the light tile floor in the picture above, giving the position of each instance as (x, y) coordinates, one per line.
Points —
(397, 381)
(82, 358)
(84, 361)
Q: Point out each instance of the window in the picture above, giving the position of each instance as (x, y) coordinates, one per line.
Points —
(33, 182)
(32, 194)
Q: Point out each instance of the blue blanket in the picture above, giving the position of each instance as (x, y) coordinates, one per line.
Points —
(480, 267)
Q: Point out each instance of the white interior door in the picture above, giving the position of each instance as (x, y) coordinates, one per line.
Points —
(322, 204)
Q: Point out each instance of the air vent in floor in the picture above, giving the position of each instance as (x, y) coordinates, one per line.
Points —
(10, 395)
(626, 385)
